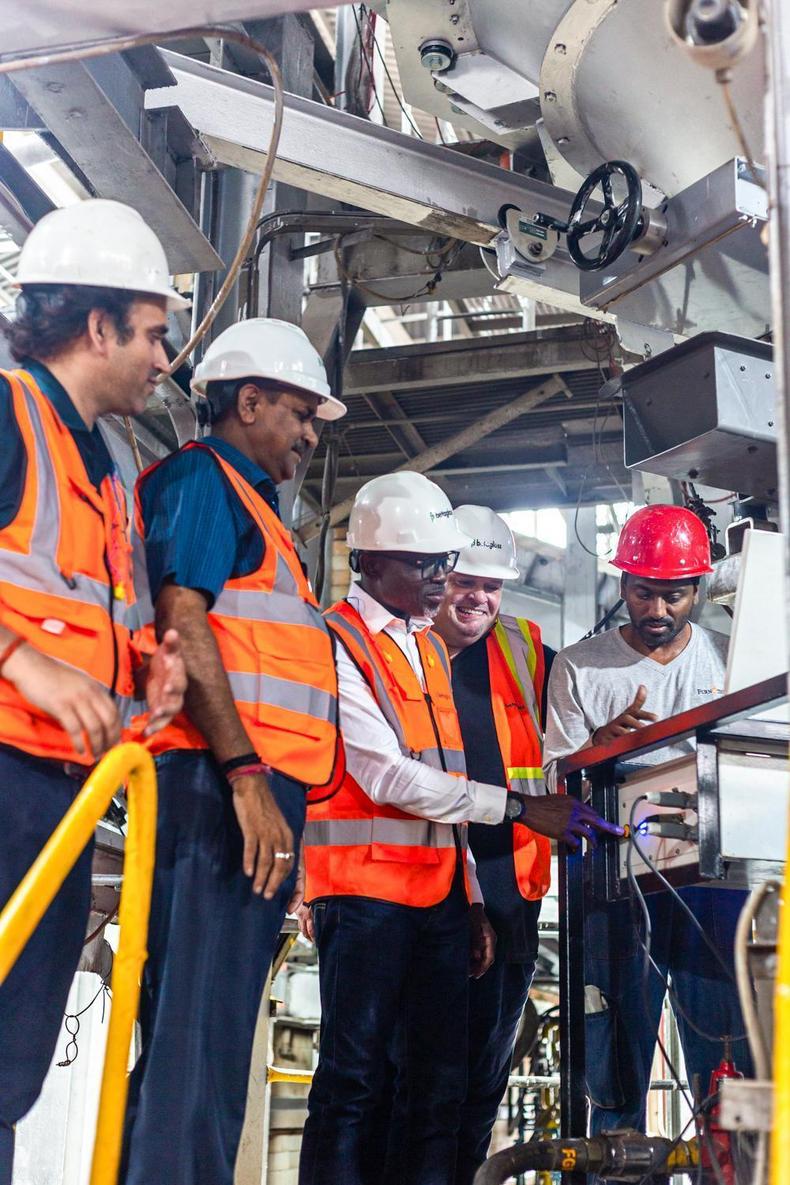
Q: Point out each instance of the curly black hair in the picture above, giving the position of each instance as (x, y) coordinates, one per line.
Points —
(50, 317)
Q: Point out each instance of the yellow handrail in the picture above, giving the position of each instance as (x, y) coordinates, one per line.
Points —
(130, 763)
(780, 1124)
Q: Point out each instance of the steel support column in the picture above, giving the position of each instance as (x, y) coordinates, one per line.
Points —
(581, 575)
(281, 278)
(778, 40)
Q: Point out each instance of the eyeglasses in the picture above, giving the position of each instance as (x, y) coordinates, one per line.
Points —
(428, 566)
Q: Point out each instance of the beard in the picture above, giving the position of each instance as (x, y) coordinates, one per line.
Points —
(653, 638)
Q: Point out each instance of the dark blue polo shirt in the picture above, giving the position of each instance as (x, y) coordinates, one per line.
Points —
(13, 458)
(198, 534)
(512, 917)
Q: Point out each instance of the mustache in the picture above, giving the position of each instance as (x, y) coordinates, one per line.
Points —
(660, 622)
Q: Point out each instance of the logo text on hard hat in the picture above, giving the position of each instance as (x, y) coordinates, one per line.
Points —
(440, 514)
(491, 544)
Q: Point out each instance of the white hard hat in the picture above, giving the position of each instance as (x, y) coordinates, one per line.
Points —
(403, 511)
(99, 243)
(265, 348)
(492, 553)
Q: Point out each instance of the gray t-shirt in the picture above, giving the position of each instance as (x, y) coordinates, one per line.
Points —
(595, 680)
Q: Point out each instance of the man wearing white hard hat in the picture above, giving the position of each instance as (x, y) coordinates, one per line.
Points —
(499, 672)
(260, 723)
(386, 854)
(88, 337)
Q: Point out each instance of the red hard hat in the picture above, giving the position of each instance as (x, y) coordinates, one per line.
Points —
(663, 543)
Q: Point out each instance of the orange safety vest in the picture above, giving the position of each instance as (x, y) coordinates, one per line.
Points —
(65, 572)
(275, 647)
(355, 847)
(517, 670)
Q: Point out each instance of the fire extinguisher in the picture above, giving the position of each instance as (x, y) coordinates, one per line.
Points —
(713, 1139)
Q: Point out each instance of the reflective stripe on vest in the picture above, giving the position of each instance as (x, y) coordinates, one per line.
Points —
(353, 845)
(65, 578)
(522, 663)
(525, 779)
(275, 647)
(37, 569)
(402, 833)
(511, 649)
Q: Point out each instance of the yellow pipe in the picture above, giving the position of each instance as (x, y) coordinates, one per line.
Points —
(780, 1124)
(131, 763)
(275, 1074)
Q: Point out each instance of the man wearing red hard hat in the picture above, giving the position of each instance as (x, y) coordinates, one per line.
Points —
(604, 687)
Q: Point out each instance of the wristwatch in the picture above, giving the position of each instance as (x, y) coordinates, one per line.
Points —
(514, 807)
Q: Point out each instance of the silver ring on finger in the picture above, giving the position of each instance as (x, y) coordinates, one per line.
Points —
(283, 855)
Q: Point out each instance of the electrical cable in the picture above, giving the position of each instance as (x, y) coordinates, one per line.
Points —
(78, 51)
(754, 1033)
(687, 910)
(723, 79)
(364, 10)
(426, 290)
(484, 253)
(579, 539)
(696, 1112)
(646, 942)
(73, 1028)
(108, 917)
(368, 65)
(133, 445)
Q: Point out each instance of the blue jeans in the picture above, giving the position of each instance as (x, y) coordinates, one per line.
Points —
(496, 1002)
(34, 797)
(384, 970)
(211, 942)
(621, 1038)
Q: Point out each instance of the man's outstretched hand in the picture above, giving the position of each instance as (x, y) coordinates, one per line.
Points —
(627, 722)
(561, 817)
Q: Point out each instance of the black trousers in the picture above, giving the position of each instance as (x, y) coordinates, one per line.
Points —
(34, 797)
(211, 944)
(388, 970)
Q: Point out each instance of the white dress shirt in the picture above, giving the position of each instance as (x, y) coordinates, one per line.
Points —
(373, 755)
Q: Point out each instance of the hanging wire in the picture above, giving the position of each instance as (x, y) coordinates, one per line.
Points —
(723, 78)
(363, 8)
(453, 249)
(77, 51)
(71, 1022)
(368, 65)
(133, 445)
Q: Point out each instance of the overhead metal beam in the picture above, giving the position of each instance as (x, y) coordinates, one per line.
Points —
(32, 28)
(14, 111)
(399, 426)
(437, 453)
(575, 406)
(439, 475)
(99, 139)
(349, 159)
(487, 359)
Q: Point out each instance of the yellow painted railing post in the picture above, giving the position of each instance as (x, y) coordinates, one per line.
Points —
(130, 763)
